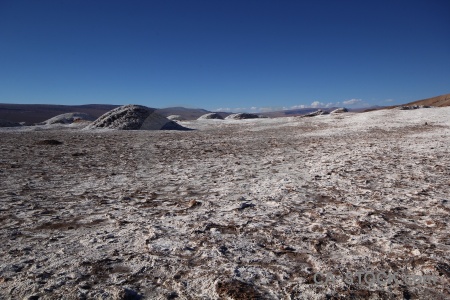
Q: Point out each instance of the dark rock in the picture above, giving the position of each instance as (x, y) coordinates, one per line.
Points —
(172, 295)
(128, 294)
(245, 205)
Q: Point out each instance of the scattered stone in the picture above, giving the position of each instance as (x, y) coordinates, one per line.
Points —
(245, 205)
(443, 269)
(194, 203)
(172, 295)
(223, 249)
(242, 116)
(84, 285)
(127, 294)
(211, 116)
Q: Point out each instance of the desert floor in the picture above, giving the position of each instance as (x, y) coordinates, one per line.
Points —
(250, 209)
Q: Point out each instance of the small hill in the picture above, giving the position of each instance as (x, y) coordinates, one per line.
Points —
(68, 118)
(340, 110)
(318, 112)
(241, 116)
(175, 118)
(134, 117)
(184, 113)
(439, 101)
(210, 116)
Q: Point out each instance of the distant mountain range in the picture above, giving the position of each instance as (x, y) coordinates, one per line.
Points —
(35, 113)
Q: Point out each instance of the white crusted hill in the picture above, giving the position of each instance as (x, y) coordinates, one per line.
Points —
(211, 116)
(241, 116)
(68, 118)
(134, 117)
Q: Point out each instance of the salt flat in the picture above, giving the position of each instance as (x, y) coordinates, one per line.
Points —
(237, 209)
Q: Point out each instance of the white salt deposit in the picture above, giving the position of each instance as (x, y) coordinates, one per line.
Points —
(257, 205)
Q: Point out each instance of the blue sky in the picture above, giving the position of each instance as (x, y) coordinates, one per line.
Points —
(234, 55)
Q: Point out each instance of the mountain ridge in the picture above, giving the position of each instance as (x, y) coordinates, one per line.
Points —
(36, 113)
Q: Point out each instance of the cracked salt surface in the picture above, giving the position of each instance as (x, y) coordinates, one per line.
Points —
(238, 209)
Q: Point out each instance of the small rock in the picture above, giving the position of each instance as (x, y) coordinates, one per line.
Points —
(223, 249)
(78, 154)
(245, 205)
(49, 142)
(172, 295)
(127, 294)
(194, 203)
(84, 286)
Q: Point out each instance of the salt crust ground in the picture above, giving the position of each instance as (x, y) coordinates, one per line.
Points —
(238, 209)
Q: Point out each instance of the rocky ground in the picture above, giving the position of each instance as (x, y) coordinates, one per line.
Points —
(238, 209)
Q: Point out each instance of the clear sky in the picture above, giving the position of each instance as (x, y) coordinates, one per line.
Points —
(224, 54)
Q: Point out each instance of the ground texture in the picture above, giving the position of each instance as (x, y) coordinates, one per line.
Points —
(237, 209)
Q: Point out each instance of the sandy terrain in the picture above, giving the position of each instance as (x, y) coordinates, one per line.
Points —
(238, 209)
